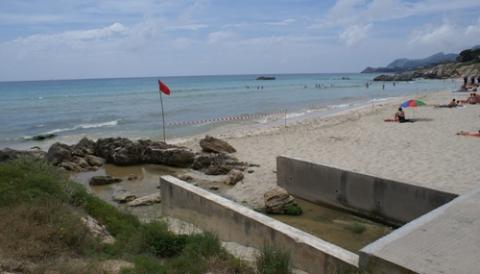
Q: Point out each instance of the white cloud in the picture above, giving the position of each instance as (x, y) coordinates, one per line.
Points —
(192, 27)
(354, 34)
(445, 37)
(74, 36)
(285, 22)
(473, 30)
(219, 36)
(352, 12)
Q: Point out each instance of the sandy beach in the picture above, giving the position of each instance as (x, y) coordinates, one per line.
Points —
(427, 152)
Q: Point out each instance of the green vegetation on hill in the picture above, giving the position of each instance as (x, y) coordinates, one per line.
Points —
(42, 230)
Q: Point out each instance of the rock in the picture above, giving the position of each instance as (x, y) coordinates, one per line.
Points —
(8, 154)
(81, 162)
(42, 137)
(186, 178)
(278, 201)
(119, 151)
(211, 144)
(94, 160)
(69, 166)
(178, 157)
(234, 176)
(213, 188)
(132, 177)
(250, 171)
(58, 153)
(84, 147)
(98, 230)
(123, 196)
(216, 163)
(104, 180)
(146, 200)
(115, 266)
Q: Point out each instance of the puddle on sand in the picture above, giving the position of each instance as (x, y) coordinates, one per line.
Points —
(147, 182)
(336, 226)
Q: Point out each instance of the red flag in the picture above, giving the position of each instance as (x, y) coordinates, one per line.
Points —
(163, 88)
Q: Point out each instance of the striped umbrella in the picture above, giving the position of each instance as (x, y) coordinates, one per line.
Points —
(412, 103)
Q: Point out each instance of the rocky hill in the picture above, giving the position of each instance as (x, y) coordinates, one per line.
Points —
(466, 64)
(403, 64)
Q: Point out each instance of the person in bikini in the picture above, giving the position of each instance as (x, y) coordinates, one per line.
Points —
(469, 133)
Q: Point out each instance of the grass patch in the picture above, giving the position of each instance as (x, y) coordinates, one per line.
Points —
(273, 261)
(356, 228)
(41, 214)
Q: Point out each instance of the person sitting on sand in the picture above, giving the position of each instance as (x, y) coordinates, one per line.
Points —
(452, 104)
(468, 133)
(400, 116)
(472, 99)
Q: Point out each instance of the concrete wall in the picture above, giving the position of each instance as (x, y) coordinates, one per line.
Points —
(385, 200)
(236, 223)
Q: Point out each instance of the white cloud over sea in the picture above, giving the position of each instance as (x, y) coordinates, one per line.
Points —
(68, 39)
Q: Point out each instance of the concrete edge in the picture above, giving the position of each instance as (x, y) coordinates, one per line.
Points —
(294, 233)
(408, 228)
(368, 174)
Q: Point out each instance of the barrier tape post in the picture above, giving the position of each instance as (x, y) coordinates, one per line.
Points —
(285, 118)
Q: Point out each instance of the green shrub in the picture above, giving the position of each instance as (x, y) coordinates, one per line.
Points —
(158, 241)
(273, 261)
(293, 209)
(28, 179)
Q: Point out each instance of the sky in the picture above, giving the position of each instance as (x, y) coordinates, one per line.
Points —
(70, 39)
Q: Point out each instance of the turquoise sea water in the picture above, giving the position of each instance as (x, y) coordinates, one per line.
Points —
(131, 106)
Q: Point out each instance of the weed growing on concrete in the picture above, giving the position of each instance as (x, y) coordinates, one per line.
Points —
(273, 261)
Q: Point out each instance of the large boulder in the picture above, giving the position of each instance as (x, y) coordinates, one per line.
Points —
(84, 147)
(58, 153)
(212, 144)
(278, 201)
(104, 180)
(119, 151)
(178, 157)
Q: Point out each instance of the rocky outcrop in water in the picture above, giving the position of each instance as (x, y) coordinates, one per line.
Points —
(212, 144)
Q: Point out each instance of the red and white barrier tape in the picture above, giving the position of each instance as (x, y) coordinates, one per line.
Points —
(224, 119)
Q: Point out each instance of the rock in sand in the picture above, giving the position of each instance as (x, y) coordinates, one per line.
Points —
(278, 201)
(212, 144)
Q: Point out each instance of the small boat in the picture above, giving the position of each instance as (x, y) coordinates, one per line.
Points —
(266, 78)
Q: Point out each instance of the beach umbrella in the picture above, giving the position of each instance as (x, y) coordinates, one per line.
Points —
(412, 103)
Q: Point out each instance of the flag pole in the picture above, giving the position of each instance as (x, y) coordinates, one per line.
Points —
(163, 117)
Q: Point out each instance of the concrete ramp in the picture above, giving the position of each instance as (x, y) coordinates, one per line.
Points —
(444, 241)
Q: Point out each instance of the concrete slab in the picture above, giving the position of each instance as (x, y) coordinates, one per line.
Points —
(446, 240)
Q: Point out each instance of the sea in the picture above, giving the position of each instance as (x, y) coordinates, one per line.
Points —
(131, 107)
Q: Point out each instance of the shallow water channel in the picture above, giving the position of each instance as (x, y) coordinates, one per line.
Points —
(333, 225)
(336, 226)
